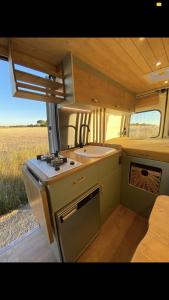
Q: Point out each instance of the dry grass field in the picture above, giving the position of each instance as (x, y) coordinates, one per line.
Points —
(16, 146)
(143, 131)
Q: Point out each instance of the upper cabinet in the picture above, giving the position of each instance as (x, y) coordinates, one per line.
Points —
(85, 85)
(71, 82)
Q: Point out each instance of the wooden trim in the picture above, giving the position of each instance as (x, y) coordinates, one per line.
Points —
(23, 59)
(38, 97)
(23, 76)
(51, 90)
(37, 64)
(100, 127)
(38, 88)
(104, 121)
(4, 52)
(94, 112)
(96, 125)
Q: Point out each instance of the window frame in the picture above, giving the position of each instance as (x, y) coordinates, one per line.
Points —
(149, 110)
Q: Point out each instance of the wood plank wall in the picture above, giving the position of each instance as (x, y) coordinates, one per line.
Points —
(98, 125)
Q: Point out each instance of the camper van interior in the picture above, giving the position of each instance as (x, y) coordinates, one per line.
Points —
(101, 193)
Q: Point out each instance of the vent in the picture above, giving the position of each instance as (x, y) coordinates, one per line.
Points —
(158, 76)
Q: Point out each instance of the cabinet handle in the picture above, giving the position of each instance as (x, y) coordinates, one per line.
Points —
(79, 180)
(95, 100)
(64, 218)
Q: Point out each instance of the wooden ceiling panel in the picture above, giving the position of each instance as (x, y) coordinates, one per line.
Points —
(125, 60)
(146, 51)
(166, 46)
(157, 47)
(130, 47)
(101, 56)
(122, 58)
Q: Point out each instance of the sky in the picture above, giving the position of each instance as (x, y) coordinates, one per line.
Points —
(17, 111)
(148, 117)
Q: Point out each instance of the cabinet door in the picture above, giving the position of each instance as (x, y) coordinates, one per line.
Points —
(93, 88)
(82, 86)
(110, 193)
(90, 88)
(120, 98)
(108, 165)
(69, 188)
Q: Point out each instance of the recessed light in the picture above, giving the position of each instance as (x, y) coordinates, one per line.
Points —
(166, 81)
(158, 3)
(141, 39)
(158, 63)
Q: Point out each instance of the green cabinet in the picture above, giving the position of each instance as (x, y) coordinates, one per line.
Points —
(106, 173)
(69, 188)
(109, 179)
(110, 194)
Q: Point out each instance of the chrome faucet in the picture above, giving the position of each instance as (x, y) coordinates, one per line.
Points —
(80, 139)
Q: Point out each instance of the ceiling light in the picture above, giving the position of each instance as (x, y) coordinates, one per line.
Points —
(141, 39)
(158, 3)
(75, 109)
(158, 63)
(166, 81)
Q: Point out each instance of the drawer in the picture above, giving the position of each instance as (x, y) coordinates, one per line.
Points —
(108, 165)
(66, 190)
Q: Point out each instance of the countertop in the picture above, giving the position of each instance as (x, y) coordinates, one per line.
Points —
(156, 149)
(154, 247)
(85, 162)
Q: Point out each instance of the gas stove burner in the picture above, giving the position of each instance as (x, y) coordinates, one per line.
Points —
(53, 159)
(54, 164)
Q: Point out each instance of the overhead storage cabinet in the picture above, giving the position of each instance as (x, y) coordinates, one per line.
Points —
(88, 86)
(71, 82)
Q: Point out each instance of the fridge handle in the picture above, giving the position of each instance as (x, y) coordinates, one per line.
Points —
(63, 219)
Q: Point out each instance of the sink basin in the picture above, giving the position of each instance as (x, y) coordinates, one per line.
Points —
(94, 151)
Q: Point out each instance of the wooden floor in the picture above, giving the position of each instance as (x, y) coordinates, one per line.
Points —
(116, 242)
(118, 238)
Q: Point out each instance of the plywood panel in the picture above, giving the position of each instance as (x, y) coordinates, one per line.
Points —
(94, 89)
(148, 101)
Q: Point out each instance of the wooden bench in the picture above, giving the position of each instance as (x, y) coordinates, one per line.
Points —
(154, 247)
